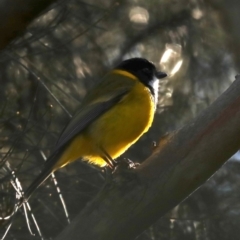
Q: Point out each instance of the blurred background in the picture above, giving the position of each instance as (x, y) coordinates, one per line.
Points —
(45, 74)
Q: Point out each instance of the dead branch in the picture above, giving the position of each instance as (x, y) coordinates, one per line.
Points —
(15, 16)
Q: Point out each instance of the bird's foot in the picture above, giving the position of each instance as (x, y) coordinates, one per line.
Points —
(124, 164)
(123, 171)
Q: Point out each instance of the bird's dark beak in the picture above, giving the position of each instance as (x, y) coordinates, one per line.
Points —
(160, 75)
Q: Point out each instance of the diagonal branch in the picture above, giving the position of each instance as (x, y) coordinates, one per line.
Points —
(15, 16)
(127, 206)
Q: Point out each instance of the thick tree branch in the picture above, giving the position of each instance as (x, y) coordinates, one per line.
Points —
(15, 15)
(125, 207)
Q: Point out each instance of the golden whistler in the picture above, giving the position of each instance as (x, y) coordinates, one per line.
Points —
(112, 117)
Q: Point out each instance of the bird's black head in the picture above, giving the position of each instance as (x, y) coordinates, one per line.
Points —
(144, 70)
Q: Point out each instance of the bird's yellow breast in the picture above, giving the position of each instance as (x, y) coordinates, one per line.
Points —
(116, 130)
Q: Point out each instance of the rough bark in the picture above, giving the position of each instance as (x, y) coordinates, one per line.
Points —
(126, 207)
(15, 16)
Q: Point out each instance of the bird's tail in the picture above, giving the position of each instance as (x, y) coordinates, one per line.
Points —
(46, 172)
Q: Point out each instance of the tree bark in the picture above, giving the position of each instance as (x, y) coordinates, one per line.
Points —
(132, 202)
(15, 16)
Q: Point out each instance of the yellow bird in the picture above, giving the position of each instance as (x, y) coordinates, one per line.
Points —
(112, 117)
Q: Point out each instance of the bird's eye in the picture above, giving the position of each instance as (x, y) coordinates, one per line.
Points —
(146, 70)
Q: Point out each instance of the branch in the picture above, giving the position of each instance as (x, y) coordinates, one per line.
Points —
(126, 207)
(15, 16)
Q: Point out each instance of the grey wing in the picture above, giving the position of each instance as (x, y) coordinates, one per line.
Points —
(86, 116)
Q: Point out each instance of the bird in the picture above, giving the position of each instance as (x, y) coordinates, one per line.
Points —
(112, 117)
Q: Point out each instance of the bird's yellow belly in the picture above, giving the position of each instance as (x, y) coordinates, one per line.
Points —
(115, 131)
